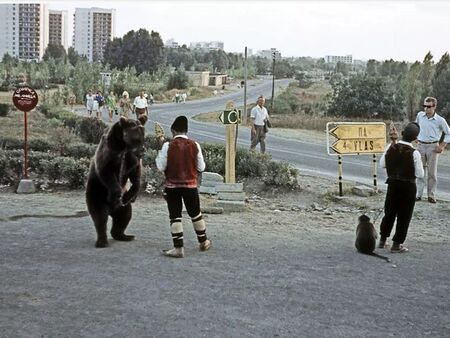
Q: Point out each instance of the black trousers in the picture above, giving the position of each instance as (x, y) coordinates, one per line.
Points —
(175, 198)
(399, 204)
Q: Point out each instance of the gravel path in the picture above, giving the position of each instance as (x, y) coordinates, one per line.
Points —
(283, 268)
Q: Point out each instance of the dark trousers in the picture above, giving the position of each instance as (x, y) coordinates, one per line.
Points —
(399, 203)
(175, 198)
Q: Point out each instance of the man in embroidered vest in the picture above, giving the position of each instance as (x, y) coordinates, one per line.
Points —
(181, 159)
(403, 165)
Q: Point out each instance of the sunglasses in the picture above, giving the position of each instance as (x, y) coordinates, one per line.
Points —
(425, 106)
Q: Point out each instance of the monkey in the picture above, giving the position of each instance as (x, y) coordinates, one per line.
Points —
(366, 236)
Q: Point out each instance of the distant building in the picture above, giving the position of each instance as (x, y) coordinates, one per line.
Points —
(348, 59)
(93, 28)
(171, 43)
(23, 30)
(57, 28)
(199, 79)
(207, 46)
(269, 53)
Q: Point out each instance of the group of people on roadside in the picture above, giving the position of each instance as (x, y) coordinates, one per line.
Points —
(123, 107)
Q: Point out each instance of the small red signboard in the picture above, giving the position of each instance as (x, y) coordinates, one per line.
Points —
(25, 98)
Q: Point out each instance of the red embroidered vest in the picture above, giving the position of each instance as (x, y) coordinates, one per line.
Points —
(181, 171)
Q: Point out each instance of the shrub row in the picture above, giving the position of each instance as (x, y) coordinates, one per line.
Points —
(77, 150)
(89, 129)
(73, 168)
(44, 165)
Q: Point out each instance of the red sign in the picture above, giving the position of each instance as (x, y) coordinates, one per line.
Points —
(25, 98)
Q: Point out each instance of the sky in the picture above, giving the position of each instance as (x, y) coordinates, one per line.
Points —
(401, 30)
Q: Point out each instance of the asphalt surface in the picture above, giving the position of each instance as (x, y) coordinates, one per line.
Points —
(287, 273)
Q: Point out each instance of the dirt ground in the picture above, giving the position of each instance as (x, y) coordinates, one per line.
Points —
(285, 267)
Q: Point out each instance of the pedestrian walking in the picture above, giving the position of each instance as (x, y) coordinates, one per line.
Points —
(140, 105)
(259, 117)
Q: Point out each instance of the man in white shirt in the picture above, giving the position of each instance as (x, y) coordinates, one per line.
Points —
(433, 137)
(140, 105)
(259, 116)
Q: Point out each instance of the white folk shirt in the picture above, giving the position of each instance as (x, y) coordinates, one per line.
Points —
(259, 114)
(140, 102)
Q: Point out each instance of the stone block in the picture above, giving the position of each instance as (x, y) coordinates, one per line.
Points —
(210, 183)
(207, 190)
(26, 187)
(362, 190)
(230, 187)
(209, 176)
(231, 196)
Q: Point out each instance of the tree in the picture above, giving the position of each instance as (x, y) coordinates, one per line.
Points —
(413, 90)
(441, 85)
(178, 80)
(141, 49)
(426, 75)
(73, 56)
(364, 96)
(56, 52)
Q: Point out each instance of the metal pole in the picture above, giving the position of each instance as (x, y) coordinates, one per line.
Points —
(245, 85)
(374, 160)
(25, 147)
(273, 83)
(340, 175)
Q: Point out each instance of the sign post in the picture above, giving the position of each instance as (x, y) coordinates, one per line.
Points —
(355, 138)
(230, 118)
(25, 99)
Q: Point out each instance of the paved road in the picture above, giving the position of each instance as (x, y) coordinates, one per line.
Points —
(307, 156)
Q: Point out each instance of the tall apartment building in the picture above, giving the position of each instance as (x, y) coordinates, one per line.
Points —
(93, 28)
(23, 30)
(339, 58)
(57, 28)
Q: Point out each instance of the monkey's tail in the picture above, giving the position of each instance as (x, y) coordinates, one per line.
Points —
(387, 259)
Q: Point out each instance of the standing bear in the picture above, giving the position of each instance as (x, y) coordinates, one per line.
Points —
(117, 159)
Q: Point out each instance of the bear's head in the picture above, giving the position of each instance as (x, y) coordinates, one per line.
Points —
(128, 134)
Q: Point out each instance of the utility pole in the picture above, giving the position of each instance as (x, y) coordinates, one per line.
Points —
(245, 86)
(274, 53)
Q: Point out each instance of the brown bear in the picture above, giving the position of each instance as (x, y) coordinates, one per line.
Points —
(117, 159)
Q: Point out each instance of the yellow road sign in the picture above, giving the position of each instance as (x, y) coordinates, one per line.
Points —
(359, 131)
(355, 146)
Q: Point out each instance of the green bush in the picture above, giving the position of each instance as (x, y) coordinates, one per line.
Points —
(178, 80)
(148, 160)
(91, 129)
(251, 164)
(36, 144)
(80, 150)
(281, 174)
(4, 109)
(214, 155)
(151, 142)
(11, 166)
(73, 171)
